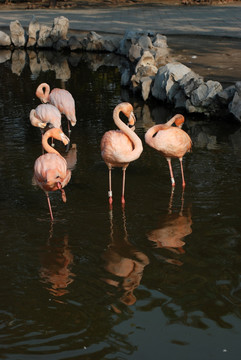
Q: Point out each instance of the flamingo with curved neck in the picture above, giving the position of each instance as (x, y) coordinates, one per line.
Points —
(50, 169)
(170, 141)
(60, 98)
(120, 147)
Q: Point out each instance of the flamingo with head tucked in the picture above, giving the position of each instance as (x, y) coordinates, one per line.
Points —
(120, 147)
(50, 169)
(45, 114)
(170, 141)
(60, 98)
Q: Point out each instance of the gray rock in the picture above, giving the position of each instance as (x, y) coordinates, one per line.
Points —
(165, 79)
(235, 106)
(226, 95)
(145, 42)
(74, 44)
(45, 39)
(134, 53)
(160, 41)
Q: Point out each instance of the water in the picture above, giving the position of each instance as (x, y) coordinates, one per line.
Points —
(157, 279)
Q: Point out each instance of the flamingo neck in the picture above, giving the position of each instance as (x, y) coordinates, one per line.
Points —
(154, 129)
(137, 144)
(48, 148)
(45, 90)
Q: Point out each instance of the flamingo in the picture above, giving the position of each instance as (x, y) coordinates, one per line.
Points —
(45, 114)
(170, 141)
(50, 169)
(120, 147)
(60, 98)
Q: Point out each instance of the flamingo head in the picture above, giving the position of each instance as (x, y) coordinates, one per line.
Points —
(179, 120)
(132, 121)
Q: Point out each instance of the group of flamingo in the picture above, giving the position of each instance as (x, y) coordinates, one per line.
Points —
(50, 169)
(118, 147)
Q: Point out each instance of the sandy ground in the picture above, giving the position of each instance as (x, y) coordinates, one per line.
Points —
(111, 3)
(215, 60)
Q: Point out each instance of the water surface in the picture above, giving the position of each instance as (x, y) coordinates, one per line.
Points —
(157, 279)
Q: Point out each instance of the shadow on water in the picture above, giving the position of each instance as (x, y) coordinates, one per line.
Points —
(163, 274)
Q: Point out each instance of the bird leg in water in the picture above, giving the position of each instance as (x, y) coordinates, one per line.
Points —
(62, 192)
(110, 191)
(50, 208)
(183, 180)
(123, 186)
(171, 173)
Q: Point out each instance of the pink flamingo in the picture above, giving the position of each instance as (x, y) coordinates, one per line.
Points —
(60, 98)
(45, 114)
(50, 169)
(120, 147)
(170, 141)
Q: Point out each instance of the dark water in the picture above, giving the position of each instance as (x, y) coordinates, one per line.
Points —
(159, 279)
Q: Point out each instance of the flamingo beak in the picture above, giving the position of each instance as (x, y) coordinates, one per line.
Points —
(64, 139)
(42, 125)
(131, 119)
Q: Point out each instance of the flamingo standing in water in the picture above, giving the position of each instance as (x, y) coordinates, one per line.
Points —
(50, 169)
(60, 98)
(120, 147)
(170, 141)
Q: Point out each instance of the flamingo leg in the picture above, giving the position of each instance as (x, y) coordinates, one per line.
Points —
(110, 190)
(171, 172)
(170, 201)
(69, 130)
(50, 208)
(123, 186)
(183, 180)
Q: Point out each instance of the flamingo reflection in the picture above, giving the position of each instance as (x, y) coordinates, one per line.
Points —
(56, 261)
(125, 264)
(172, 231)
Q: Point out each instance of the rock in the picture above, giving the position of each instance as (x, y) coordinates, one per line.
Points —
(204, 95)
(145, 42)
(189, 82)
(111, 43)
(60, 45)
(74, 44)
(44, 40)
(161, 56)
(4, 39)
(60, 28)
(134, 53)
(235, 106)
(147, 59)
(33, 30)
(93, 42)
(226, 95)
(126, 77)
(160, 41)
(17, 34)
(166, 77)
